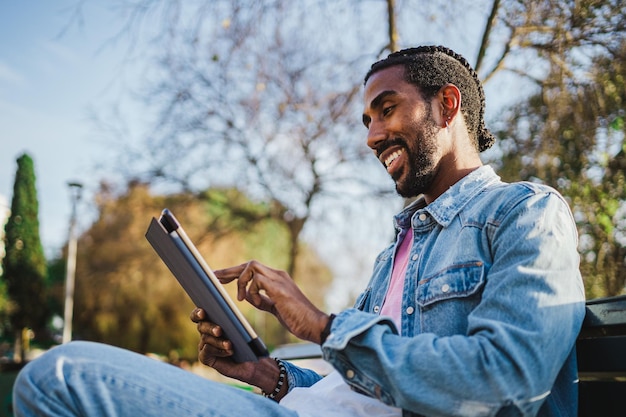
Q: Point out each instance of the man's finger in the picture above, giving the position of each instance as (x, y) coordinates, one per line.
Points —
(197, 315)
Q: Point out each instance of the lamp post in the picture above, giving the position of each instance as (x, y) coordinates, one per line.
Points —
(75, 194)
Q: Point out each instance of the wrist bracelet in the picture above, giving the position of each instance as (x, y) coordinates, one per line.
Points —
(281, 381)
(326, 331)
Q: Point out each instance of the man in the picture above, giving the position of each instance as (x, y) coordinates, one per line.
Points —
(473, 310)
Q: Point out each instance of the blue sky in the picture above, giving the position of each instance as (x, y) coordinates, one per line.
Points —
(52, 71)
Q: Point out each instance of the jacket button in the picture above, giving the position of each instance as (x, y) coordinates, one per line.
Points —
(410, 310)
(422, 217)
(376, 309)
(349, 374)
(445, 288)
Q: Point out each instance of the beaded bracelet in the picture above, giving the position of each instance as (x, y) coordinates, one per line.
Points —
(281, 381)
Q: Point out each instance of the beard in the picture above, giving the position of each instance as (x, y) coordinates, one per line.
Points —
(421, 150)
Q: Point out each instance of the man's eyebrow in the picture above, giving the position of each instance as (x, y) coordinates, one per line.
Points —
(378, 100)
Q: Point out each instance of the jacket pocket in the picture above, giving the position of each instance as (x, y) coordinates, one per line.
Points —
(455, 282)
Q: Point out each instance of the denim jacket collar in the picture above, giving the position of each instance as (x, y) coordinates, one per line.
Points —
(450, 203)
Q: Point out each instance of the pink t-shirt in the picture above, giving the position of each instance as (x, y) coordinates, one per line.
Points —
(392, 306)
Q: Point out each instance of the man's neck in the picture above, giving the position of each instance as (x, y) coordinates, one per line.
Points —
(448, 180)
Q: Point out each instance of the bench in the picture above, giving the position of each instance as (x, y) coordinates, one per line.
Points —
(601, 351)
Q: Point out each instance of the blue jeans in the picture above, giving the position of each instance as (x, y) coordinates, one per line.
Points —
(90, 379)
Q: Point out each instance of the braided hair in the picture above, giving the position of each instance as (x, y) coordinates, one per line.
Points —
(432, 67)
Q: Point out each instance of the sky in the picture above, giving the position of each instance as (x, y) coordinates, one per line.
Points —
(53, 71)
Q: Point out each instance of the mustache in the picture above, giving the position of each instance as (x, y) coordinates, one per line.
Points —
(381, 147)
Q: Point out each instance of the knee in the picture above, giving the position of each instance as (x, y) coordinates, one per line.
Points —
(30, 375)
(45, 377)
(47, 366)
(29, 386)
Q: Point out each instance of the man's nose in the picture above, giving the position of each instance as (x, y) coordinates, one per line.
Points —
(376, 134)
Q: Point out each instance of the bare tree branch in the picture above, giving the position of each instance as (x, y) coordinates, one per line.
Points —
(484, 43)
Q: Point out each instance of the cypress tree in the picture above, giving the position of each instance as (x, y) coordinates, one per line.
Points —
(24, 265)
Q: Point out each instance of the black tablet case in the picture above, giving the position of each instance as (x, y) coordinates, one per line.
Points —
(194, 276)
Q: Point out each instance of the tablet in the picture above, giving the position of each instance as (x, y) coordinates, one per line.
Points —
(181, 256)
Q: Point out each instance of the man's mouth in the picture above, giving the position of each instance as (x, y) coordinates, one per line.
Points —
(394, 155)
(390, 158)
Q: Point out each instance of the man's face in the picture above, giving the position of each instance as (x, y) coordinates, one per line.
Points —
(401, 131)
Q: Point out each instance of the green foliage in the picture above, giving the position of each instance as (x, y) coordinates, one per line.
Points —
(24, 266)
(55, 286)
(230, 211)
(571, 135)
(5, 305)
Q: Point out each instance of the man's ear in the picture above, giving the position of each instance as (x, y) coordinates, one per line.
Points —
(449, 98)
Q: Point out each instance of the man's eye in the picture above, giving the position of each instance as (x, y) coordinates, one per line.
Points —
(387, 110)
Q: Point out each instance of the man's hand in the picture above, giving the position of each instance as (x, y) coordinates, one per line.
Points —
(215, 351)
(275, 291)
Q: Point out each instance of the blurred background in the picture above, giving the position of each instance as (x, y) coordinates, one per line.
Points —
(243, 117)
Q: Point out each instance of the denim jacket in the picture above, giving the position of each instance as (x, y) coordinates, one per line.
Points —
(493, 302)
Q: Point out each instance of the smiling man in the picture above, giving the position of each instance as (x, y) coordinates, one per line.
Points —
(405, 109)
(473, 310)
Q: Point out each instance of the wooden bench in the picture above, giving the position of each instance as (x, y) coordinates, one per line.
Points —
(601, 350)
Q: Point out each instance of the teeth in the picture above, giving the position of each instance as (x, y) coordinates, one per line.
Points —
(392, 157)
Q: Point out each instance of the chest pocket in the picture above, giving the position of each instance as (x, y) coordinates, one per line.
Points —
(456, 282)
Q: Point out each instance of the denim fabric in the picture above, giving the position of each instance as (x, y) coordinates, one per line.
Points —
(493, 302)
(300, 377)
(89, 379)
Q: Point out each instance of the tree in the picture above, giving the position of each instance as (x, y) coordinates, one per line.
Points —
(245, 91)
(126, 296)
(24, 266)
(268, 108)
(571, 133)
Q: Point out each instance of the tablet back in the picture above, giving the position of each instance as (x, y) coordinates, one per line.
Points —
(172, 244)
